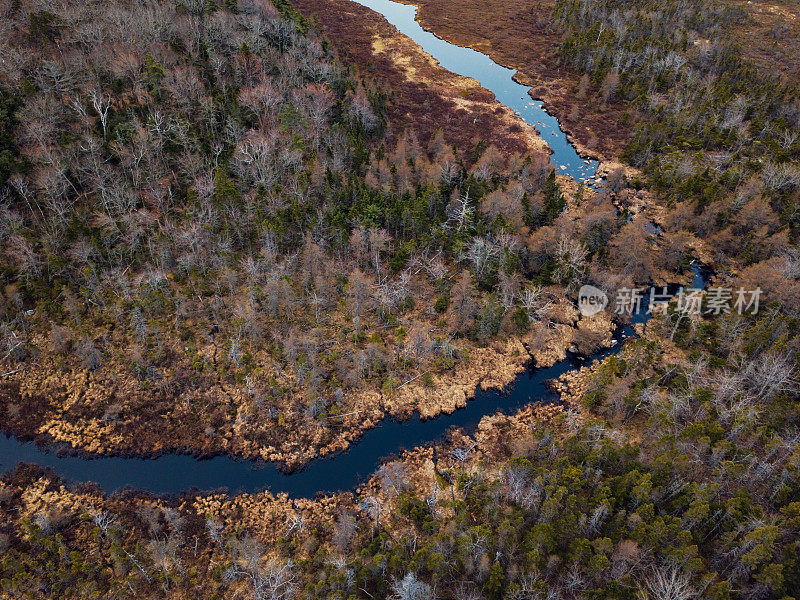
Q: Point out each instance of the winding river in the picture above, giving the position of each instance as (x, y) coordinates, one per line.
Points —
(177, 473)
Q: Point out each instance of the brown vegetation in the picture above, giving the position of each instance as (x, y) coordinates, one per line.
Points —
(230, 272)
(424, 96)
(520, 35)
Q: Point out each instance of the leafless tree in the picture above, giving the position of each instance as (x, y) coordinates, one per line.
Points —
(666, 583)
(262, 100)
(519, 489)
(271, 579)
(105, 521)
(165, 555)
(359, 292)
(343, 531)
(483, 254)
(788, 138)
(463, 212)
(450, 173)
(463, 306)
(393, 477)
(411, 588)
(534, 303)
(214, 530)
(771, 374)
(372, 506)
(509, 288)
(102, 104)
(378, 242)
(361, 110)
(572, 258)
(609, 86)
(781, 177)
(295, 523)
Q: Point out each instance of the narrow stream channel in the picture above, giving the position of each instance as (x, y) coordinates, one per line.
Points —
(176, 473)
(172, 473)
(494, 77)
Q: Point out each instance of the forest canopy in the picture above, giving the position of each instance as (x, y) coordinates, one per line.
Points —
(214, 238)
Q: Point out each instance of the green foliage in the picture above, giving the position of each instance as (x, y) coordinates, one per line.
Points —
(521, 319)
(9, 155)
(225, 190)
(488, 319)
(288, 11)
(416, 510)
(43, 26)
(154, 72)
(496, 582)
(554, 202)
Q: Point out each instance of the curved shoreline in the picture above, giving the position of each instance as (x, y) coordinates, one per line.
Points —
(384, 440)
(548, 103)
(46, 444)
(582, 150)
(242, 475)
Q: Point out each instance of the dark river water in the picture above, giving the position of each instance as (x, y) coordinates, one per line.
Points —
(176, 473)
(173, 473)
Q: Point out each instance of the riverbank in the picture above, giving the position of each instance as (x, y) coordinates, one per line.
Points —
(425, 97)
(522, 37)
(202, 534)
(265, 513)
(50, 400)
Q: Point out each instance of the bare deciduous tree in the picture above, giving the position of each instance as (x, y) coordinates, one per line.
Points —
(411, 588)
(271, 579)
(666, 583)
